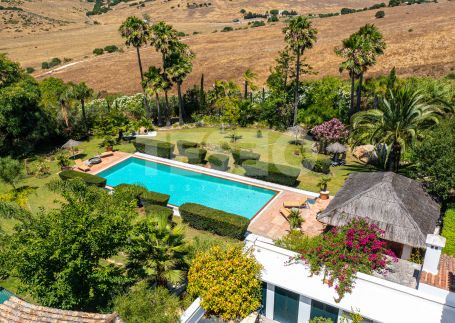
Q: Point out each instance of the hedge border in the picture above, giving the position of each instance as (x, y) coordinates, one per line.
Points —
(275, 173)
(87, 178)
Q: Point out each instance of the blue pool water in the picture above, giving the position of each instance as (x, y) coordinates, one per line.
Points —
(186, 186)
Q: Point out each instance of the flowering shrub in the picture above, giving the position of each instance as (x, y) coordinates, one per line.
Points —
(346, 250)
(331, 131)
(227, 280)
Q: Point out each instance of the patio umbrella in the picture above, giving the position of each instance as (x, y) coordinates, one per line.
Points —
(336, 148)
(70, 144)
(297, 131)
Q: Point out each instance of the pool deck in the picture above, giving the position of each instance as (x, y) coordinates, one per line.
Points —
(268, 222)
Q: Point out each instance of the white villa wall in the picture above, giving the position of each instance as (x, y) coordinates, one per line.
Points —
(375, 298)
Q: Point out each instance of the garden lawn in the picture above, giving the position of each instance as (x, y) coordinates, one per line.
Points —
(274, 147)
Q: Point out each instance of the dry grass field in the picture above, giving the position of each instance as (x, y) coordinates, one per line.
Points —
(420, 38)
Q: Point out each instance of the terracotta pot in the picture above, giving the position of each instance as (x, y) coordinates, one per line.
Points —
(324, 195)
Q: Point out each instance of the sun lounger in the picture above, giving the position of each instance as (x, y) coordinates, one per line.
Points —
(80, 164)
(285, 212)
(106, 154)
(295, 203)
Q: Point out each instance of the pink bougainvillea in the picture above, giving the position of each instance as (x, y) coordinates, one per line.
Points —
(331, 131)
(342, 252)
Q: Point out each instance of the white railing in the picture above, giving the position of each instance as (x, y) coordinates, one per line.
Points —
(193, 313)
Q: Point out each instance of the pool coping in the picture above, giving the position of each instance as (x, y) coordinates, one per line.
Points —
(216, 173)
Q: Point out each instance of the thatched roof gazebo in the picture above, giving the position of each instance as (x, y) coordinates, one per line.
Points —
(396, 204)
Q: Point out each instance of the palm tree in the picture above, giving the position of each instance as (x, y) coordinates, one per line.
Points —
(300, 35)
(156, 251)
(154, 83)
(82, 92)
(180, 66)
(398, 122)
(64, 99)
(352, 51)
(249, 77)
(374, 46)
(135, 31)
(164, 39)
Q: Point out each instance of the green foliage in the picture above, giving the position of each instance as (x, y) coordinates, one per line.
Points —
(111, 49)
(227, 29)
(448, 231)
(257, 23)
(317, 164)
(295, 219)
(323, 181)
(321, 319)
(154, 147)
(219, 161)
(159, 211)
(10, 72)
(59, 256)
(140, 195)
(228, 282)
(205, 218)
(433, 160)
(145, 304)
(154, 198)
(11, 171)
(182, 145)
(98, 51)
(380, 14)
(275, 173)
(87, 178)
(156, 251)
(295, 241)
(196, 155)
(52, 63)
(242, 155)
(29, 70)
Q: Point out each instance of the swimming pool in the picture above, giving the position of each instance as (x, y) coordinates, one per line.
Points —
(187, 186)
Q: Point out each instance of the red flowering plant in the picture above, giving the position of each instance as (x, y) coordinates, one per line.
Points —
(329, 132)
(344, 251)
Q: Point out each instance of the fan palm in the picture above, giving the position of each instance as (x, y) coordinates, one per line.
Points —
(299, 35)
(156, 251)
(82, 92)
(154, 83)
(179, 66)
(398, 121)
(249, 77)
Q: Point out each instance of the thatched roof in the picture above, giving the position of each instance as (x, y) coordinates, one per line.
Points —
(71, 144)
(397, 204)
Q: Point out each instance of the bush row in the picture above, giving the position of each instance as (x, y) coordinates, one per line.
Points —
(219, 161)
(158, 210)
(448, 231)
(155, 147)
(317, 165)
(133, 192)
(280, 174)
(196, 155)
(222, 223)
(241, 155)
(182, 145)
(87, 178)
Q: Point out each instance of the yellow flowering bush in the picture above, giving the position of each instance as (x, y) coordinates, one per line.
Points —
(227, 280)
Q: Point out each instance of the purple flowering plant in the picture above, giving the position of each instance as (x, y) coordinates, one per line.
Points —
(331, 131)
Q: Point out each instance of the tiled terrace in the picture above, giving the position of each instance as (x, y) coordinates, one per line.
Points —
(269, 222)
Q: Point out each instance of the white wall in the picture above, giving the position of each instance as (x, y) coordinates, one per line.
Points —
(375, 298)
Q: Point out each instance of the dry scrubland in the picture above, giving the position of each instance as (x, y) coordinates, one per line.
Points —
(420, 39)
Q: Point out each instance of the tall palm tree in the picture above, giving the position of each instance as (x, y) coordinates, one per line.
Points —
(156, 251)
(82, 92)
(352, 51)
(154, 83)
(179, 67)
(401, 117)
(164, 39)
(374, 46)
(64, 100)
(249, 77)
(135, 32)
(299, 35)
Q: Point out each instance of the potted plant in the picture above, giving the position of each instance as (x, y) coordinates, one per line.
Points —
(294, 219)
(108, 143)
(323, 181)
(63, 160)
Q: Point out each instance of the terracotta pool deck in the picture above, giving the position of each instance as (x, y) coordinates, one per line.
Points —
(268, 222)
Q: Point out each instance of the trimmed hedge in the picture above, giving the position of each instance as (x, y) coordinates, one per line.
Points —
(280, 174)
(448, 231)
(241, 155)
(196, 155)
(158, 210)
(154, 198)
(155, 147)
(219, 161)
(317, 165)
(183, 145)
(222, 223)
(87, 178)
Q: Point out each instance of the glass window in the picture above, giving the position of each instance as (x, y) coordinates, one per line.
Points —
(286, 306)
(264, 298)
(319, 309)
